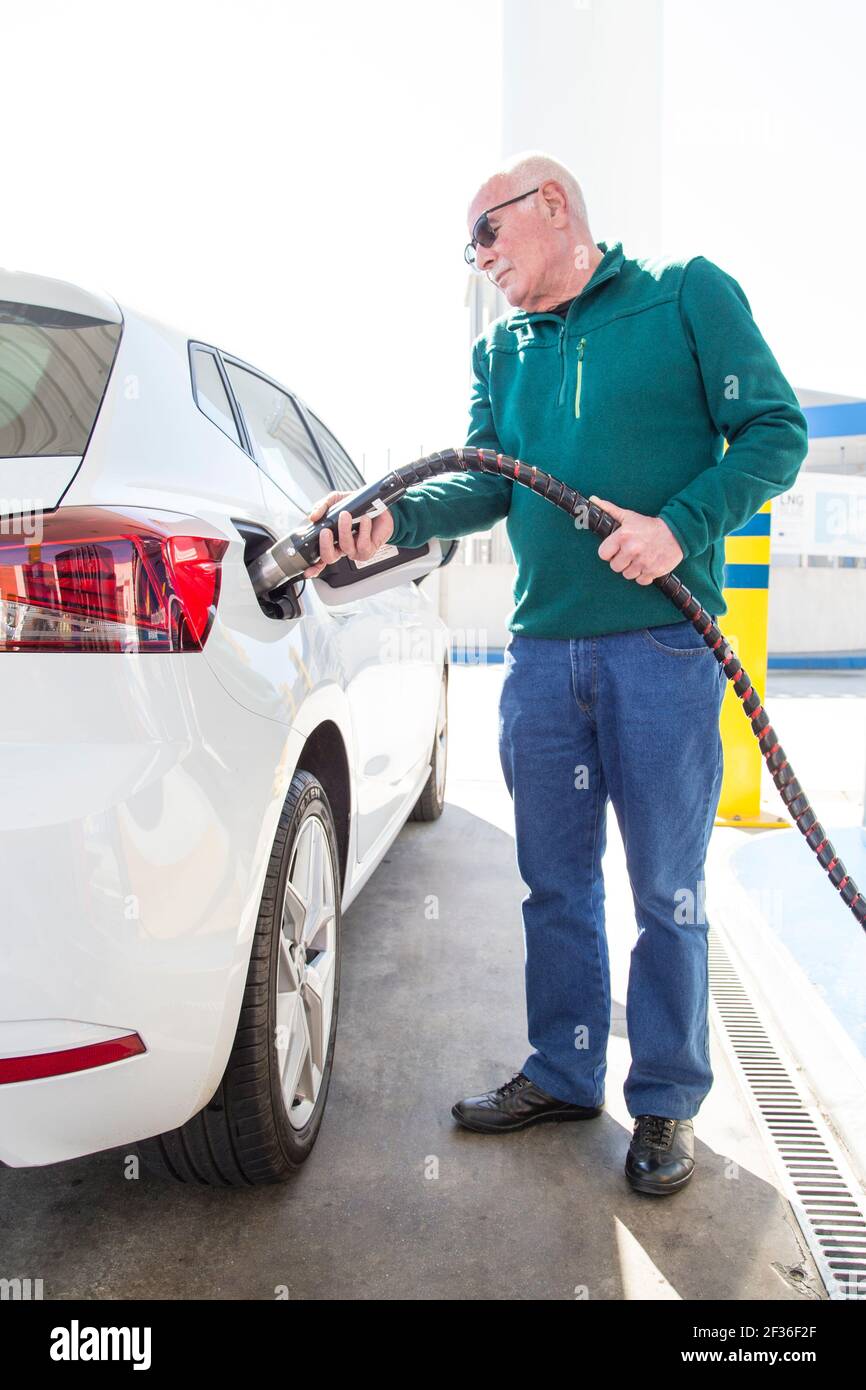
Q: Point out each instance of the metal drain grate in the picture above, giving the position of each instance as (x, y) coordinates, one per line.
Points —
(817, 1180)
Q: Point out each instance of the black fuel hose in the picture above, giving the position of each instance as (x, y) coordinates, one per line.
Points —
(288, 558)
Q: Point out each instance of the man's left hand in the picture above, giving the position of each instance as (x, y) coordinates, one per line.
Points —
(642, 547)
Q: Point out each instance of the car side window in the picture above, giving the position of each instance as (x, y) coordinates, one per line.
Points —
(210, 393)
(346, 475)
(284, 449)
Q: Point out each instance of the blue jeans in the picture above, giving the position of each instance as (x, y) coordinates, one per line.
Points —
(634, 717)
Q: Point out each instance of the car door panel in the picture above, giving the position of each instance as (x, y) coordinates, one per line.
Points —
(393, 569)
(351, 637)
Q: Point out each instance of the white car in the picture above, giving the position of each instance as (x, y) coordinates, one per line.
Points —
(195, 783)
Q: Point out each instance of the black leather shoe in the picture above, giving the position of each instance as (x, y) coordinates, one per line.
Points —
(515, 1105)
(661, 1155)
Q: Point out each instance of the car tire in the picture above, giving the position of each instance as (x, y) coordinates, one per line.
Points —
(431, 802)
(249, 1133)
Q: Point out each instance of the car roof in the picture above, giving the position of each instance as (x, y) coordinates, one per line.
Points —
(20, 287)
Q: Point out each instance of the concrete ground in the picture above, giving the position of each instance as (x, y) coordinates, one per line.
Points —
(398, 1202)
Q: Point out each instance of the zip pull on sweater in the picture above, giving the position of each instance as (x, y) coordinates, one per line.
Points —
(581, 345)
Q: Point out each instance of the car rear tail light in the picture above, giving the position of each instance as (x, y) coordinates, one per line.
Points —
(40, 1064)
(99, 581)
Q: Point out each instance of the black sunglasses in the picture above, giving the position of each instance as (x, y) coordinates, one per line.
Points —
(482, 232)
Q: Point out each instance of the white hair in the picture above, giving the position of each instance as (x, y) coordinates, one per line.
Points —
(533, 167)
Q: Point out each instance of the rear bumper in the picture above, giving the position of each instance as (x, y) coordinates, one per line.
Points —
(64, 1116)
(134, 838)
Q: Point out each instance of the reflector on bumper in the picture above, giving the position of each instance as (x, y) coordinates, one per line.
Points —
(70, 1059)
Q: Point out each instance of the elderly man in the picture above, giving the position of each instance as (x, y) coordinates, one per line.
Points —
(625, 378)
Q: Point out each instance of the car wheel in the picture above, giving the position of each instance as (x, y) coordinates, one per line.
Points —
(431, 802)
(263, 1121)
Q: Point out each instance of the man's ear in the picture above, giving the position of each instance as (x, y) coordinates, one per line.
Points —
(555, 201)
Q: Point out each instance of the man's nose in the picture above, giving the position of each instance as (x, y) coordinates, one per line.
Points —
(485, 256)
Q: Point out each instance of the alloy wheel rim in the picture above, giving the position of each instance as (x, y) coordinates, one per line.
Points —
(306, 971)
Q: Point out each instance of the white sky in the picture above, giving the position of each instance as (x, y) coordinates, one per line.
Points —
(290, 180)
(765, 169)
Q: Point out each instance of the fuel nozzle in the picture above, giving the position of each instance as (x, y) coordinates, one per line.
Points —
(288, 558)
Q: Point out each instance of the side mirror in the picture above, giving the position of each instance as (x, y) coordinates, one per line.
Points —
(449, 552)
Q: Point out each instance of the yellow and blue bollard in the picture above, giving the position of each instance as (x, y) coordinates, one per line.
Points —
(747, 588)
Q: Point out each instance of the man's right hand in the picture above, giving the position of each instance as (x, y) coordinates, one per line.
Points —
(372, 532)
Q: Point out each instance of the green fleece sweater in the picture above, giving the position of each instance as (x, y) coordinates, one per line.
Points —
(630, 397)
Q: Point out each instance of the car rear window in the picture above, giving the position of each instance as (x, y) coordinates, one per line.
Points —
(54, 366)
(210, 394)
